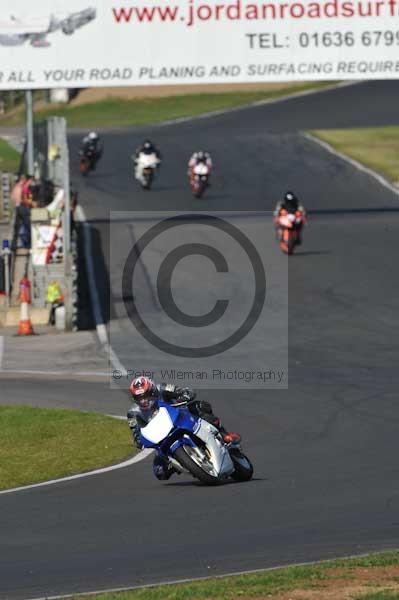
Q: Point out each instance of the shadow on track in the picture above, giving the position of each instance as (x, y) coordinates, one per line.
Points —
(312, 253)
(196, 483)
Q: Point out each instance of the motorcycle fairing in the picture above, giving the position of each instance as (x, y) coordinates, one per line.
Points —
(158, 428)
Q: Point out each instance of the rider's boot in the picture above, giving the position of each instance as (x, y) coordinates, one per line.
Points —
(163, 468)
(229, 437)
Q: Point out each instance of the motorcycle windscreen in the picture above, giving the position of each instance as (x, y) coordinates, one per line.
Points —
(148, 161)
(159, 427)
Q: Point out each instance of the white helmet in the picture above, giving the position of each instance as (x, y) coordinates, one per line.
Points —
(93, 135)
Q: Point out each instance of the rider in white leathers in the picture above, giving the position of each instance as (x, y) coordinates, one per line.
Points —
(147, 148)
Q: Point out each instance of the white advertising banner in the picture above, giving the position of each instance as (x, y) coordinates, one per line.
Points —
(81, 43)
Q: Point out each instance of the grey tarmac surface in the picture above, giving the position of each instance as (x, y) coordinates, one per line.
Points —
(325, 450)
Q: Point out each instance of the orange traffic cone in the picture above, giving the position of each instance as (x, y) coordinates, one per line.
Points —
(25, 325)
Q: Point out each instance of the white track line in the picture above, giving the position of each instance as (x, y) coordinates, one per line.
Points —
(380, 178)
(227, 111)
(55, 373)
(207, 578)
(127, 463)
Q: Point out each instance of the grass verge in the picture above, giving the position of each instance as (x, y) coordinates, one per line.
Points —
(380, 595)
(116, 112)
(375, 147)
(9, 158)
(41, 444)
(335, 580)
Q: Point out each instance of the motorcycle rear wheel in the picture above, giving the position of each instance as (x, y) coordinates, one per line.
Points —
(186, 461)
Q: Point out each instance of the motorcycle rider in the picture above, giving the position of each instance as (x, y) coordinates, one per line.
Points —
(91, 144)
(145, 396)
(147, 148)
(290, 204)
(198, 158)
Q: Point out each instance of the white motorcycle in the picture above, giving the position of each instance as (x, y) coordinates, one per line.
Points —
(145, 168)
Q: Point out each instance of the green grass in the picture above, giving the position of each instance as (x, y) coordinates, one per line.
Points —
(227, 588)
(40, 444)
(375, 147)
(381, 559)
(116, 112)
(382, 595)
(9, 158)
(259, 584)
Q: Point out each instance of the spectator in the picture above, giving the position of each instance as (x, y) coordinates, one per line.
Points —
(55, 298)
(27, 189)
(17, 190)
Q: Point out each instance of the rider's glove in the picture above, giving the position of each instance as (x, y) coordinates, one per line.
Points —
(136, 437)
(188, 394)
(135, 429)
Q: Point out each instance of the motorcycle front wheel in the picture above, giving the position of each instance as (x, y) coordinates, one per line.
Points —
(291, 242)
(84, 167)
(243, 466)
(201, 189)
(147, 180)
(197, 463)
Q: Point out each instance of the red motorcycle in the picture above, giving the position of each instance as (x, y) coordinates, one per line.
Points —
(199, 179)
(289, 226)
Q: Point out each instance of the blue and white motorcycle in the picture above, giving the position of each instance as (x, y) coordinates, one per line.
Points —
(194, 445)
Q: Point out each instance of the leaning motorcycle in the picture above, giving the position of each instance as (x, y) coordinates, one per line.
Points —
(193, 445)
(145, 169)
(199, 179)
(288, 230)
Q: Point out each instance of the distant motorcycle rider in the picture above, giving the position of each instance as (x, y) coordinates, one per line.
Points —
(147, 148)
(92, 144)
(290, 204)
(145, 396)
(198, 158)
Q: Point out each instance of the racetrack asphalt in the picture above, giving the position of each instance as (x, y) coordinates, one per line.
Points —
(325, 450)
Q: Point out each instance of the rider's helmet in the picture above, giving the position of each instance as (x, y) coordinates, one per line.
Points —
(148, 145)
(201, 156)
(290, 200)
(93, 136)
(144, 392)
